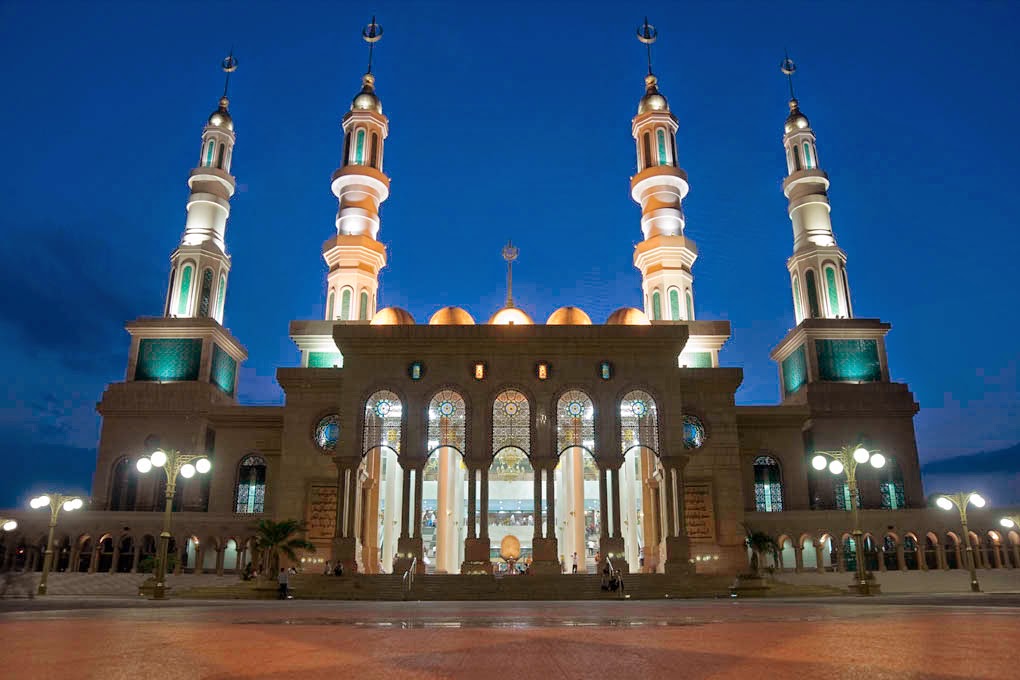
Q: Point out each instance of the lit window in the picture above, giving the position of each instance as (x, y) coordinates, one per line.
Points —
(479, 370)
(416, 370)
(542, 370)
(605, 370)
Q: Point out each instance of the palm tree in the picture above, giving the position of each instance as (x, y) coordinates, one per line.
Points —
(760, 544)
(273, 539)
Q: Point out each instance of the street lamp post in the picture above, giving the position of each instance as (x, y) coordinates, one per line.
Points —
(960, 500)
(57, 502)
(173, 463)
(845, 461)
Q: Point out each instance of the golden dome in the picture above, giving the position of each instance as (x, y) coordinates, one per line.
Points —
(511, 316)
(221, 117)
(628, 316)
(568, 316)
(451, 316)
(393, 316)
(796, 119)
(366, 100)
(652, 101)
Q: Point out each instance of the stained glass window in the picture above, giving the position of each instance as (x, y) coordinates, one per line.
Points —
(796, 298)
(205, 295)
(656, 306)
(842, 491)
(209, 153)
(660, 138)
(345, 304)
(327, 432)
(511, 422)
(812, 293)
(363, 306)
(830, 285)
(690, 307)
(807, 156)
(891, 486)
(383, 412)
(605, 370)
(639, 422)
(674, 304)
(221, 292)
(575, 421)
(447, 417)
(694, 432)
(768, 485)
(182, 300)
(251, 486)
(359, 148)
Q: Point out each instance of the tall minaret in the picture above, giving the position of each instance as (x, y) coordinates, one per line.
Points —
(665, 256)
(354, 255)
(818, 266)
(200, 266)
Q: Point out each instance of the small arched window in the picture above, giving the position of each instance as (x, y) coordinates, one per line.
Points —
(812, 293)
(345, 304)
(205, 296)
(832, 287)
(891, 486)
(375, 151)
(363, 306)
(359, 148)
(674, 304)
(656, 306)
(220, 156)
(221, 294)
(672, 145)
(123, 486)
(383, 420)
(690, 306)
(768, 485)
(796, 299)
(210, 148)
(646, 150)
(185, 293)
(639, 422)
(346, 158)
(226, 165)
(329, 307)
(796, 158)
(660, 138)
(251, 486)
(808, 162)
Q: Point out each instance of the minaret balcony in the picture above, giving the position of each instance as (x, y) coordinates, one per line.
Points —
(814, 176)
(219, 178)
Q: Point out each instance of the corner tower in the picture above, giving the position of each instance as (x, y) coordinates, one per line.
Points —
(818, 266)
(200, 266)
(354, 256)
(665, 256)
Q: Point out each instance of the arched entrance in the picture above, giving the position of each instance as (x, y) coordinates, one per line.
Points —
(444, 485)
(641, 511)
(578, 525)
(382, 480)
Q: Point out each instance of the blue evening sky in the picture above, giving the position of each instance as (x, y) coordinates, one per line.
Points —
(508, 120)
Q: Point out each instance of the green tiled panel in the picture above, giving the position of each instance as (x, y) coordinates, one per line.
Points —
(848, 360)
(168, 359)
(794, 371)
(223, 370)
(698, 359)
(325, 359)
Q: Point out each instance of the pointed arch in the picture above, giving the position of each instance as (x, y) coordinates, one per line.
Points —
(447, 416)
(345, 303)
(656, 305)
(184, 296)
(833, 290)
(812, 293)
(511, 422)
(359, 147)
(220, 156)
(205, 293)
(250, 490)
(123, 485)
(639, 422)
(674, 304)
(891, 485)
(209, 151)
(575, 422)
(660, 140)
(384, 415)
(808, 162)
(690, 305)
(221, 294)
(798, 311)
(374, 162)
(329, 305)
(646, 150)
(363, 306)
(768, 484)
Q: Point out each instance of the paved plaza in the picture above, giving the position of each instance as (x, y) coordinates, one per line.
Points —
(948, 636)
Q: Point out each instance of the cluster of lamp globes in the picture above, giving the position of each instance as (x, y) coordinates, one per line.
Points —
(43, 501)
(861, 455)
(158, 459)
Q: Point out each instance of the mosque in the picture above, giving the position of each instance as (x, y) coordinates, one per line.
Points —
(430, 442)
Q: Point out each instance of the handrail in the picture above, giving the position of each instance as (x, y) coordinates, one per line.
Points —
(613, 572)
(407, 582)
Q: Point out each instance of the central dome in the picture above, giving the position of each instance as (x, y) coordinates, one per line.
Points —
(451, 316)
(511, 316)
(568, 316)
(393, 316)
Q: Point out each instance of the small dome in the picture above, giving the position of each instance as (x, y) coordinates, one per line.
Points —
(652, 101)
(510, 316)
(568, 316)
(796, 120)
(628, 316)
(366, 99)
(451, 316)
(221, 117)
(393, 316)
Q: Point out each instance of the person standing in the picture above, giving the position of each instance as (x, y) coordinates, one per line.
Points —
(573, 568)
(282, 580)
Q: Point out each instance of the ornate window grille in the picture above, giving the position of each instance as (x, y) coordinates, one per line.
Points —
(639, 422)
(251, 486)
(383, 416)
(768, 485)
(447, 417)
(511, 422)
(575, 422)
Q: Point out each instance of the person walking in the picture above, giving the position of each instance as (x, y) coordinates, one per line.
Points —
(573, 568)
(283, 580)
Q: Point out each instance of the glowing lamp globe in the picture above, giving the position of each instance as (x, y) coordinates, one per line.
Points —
(944, 503)
(143, 465)
(1005, 521)
(10, 525)
(835, 467)
(77, 503)
(861, 455)
(203, 465)
(878, 460)
(40, 501)
(977, 501)
(69, 505)
(187, 470)
(510, 547)
(818, 462)
(158, 458)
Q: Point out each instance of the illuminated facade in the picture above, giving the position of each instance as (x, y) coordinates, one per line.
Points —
(436, 441)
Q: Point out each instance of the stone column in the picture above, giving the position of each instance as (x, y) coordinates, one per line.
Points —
(798, 556)
(94, 559)
(603, 504)
(537, 494)
(483, 519)
(405, 502)
(576, 461)
(135, 559)
(419, 479)
(901, 558)
(115, 560)
(220, 554)
(615, 472)
(550, 503)
(472, 518)
(840, 555)
(442, 509)
(819, 557)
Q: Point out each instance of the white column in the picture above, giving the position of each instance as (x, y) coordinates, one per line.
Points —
(577, 498)
(391, 493)
(628, 510)
(442, 508)
(456, 495)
